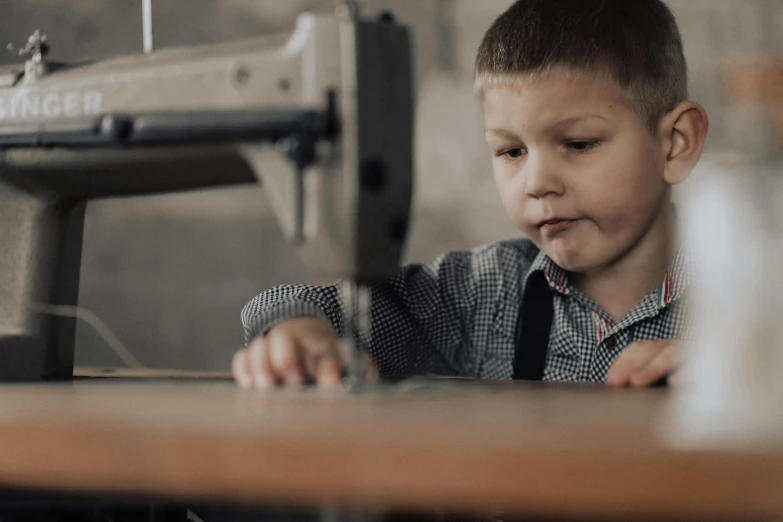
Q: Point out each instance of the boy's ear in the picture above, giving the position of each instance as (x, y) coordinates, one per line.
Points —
(683, 132)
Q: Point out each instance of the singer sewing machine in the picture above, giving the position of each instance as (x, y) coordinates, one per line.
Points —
(323, 119)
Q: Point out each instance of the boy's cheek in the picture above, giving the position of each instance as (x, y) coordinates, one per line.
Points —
(513, 204)
(531, 232)
(616, 212)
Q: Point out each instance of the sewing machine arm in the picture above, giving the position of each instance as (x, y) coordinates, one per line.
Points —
(323, 119)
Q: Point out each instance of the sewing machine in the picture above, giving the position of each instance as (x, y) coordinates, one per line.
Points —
(322, 118)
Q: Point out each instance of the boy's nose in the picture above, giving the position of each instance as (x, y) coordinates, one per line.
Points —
(541, 179)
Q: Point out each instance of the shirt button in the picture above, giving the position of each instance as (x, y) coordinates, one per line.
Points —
(611, 343)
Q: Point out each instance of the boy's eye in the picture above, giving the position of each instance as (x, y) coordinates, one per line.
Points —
(514, 153)
(581, 145)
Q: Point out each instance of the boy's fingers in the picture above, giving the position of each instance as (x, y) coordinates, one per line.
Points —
(260, 366)
(660, 366)
(314, 351)
(285, 359)
(328, 374)
(240, 368)
(326, 366)
(674, 378)
(633, 358)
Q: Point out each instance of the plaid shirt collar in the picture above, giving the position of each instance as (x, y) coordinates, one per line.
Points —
(670, 290)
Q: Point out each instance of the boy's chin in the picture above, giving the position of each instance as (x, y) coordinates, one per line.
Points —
(573, 261)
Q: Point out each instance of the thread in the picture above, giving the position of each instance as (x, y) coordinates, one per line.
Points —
(83, 314)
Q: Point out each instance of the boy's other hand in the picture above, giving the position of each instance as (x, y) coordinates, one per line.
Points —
(292, 353)
(643, 363)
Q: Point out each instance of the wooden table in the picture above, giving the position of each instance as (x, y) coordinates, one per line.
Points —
(460, 446)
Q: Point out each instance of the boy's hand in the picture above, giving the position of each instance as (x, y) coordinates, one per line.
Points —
(643, 363)
(293, 352)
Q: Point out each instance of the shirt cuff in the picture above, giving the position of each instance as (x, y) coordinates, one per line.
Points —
(289, 309)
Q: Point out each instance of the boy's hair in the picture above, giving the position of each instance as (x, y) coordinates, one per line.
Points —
(635, 42)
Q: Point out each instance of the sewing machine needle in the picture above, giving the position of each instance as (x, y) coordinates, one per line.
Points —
(359, 367)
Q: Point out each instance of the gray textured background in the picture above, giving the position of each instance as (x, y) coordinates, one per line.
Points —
(169, 274)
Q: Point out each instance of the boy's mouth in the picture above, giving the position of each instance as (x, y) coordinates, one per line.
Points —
(556, 225)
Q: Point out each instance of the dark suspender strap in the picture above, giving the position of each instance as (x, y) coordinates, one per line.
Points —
(536, 323)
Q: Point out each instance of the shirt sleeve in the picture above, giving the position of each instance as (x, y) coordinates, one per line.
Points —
(420, 317)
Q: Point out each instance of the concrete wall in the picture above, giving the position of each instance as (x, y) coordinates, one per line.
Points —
(169, 274)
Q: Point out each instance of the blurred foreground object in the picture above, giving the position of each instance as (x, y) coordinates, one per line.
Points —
(732, 392)
(323, 117)
(757, 84)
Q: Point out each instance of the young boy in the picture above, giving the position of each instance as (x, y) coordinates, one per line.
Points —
(587, 121)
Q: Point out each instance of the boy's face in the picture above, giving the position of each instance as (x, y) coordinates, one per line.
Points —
(576, 169)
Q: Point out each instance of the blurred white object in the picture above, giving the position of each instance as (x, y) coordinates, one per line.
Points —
(731, 389)
(146, 23)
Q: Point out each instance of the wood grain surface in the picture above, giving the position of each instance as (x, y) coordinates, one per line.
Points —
(461, 446)
(148, 373)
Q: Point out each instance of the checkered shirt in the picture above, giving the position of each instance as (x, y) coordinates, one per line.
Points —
(460, 314)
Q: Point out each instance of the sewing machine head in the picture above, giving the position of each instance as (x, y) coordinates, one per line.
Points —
(323, 119)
